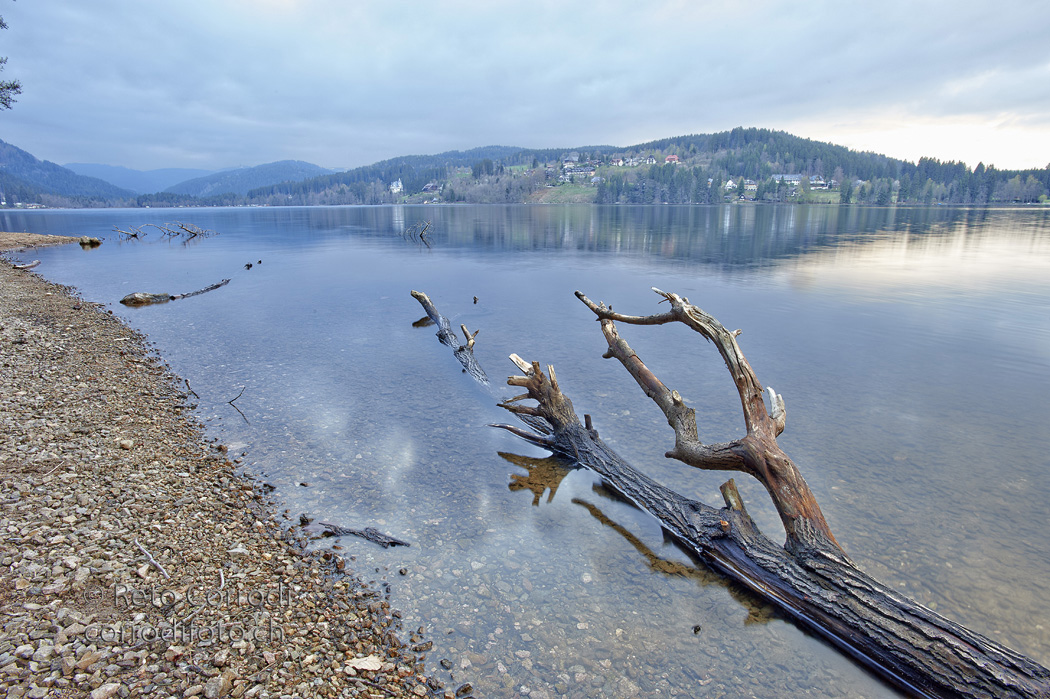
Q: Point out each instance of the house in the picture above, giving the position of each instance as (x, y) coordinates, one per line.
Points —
(396, 187)
(750, 186)
(730, 185)
(794, 180)
(618, 162)
(817, 182)
(651, 160)
(431, 187)
(671, 159)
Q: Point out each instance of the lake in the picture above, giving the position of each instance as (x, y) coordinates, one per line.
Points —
(911, 345)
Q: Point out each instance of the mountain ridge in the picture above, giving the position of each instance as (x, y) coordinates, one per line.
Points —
(25, 176)
(241, 180)
(138, 181)
(742, 163)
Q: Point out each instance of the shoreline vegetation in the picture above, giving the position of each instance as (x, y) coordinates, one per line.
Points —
(135, 562)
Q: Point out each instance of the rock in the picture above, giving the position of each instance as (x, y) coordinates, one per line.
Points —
(44, 653)
(88, 659)
(105, 691)
(221, 657)
(140, 298)
(218, 686)
(370, 662)
(89, 242)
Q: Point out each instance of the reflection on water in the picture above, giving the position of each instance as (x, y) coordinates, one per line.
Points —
(911, 347)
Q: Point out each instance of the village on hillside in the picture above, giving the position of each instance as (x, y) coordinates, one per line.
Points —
(656, 177)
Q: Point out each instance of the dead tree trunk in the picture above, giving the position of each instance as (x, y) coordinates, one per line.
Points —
(464, 353)
(809, 578)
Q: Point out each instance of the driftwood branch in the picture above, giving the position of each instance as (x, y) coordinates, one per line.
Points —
(152, 560)
(368, 533)
(134, 232)
(756, 453)
(810, 579)
(465, 352)
(143, 299)
(232, 402)
(418, 231)
(176, 229)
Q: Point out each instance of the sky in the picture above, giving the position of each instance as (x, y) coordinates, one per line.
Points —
(213, 84)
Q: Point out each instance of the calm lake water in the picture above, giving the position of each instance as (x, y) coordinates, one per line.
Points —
(912, 348)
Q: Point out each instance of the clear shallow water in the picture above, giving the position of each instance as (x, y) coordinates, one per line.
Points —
(912, 347)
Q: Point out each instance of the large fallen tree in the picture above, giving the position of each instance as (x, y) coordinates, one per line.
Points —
(809, 577)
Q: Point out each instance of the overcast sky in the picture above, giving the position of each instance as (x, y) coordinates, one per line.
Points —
(342, 83)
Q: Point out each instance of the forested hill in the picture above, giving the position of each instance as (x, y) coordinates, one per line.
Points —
(242, 180)
(742, 164)
(24, 178)
(754, 164)
(371, 184)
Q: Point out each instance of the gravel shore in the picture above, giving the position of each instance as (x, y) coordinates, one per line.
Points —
(134, 561)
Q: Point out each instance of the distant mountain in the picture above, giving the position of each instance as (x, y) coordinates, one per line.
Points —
(26, 179)
(242, 180)
(138, 181)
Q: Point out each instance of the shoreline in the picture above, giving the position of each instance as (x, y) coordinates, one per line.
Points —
(135, 561)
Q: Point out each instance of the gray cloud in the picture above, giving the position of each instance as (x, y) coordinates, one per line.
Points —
(231, 82)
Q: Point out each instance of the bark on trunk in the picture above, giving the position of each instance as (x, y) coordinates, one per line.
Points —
(464, 353)
(809, 578)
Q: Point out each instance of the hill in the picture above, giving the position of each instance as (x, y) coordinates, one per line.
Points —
(749, 163)
(25, 179)
(138, 181)
(744, 163)
(371, 184)
(242, 180)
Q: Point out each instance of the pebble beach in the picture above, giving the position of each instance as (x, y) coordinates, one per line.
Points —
(134, 561)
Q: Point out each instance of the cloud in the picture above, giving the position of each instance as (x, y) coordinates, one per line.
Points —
(233, 82)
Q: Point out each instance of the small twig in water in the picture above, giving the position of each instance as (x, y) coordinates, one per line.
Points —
(236, 408)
